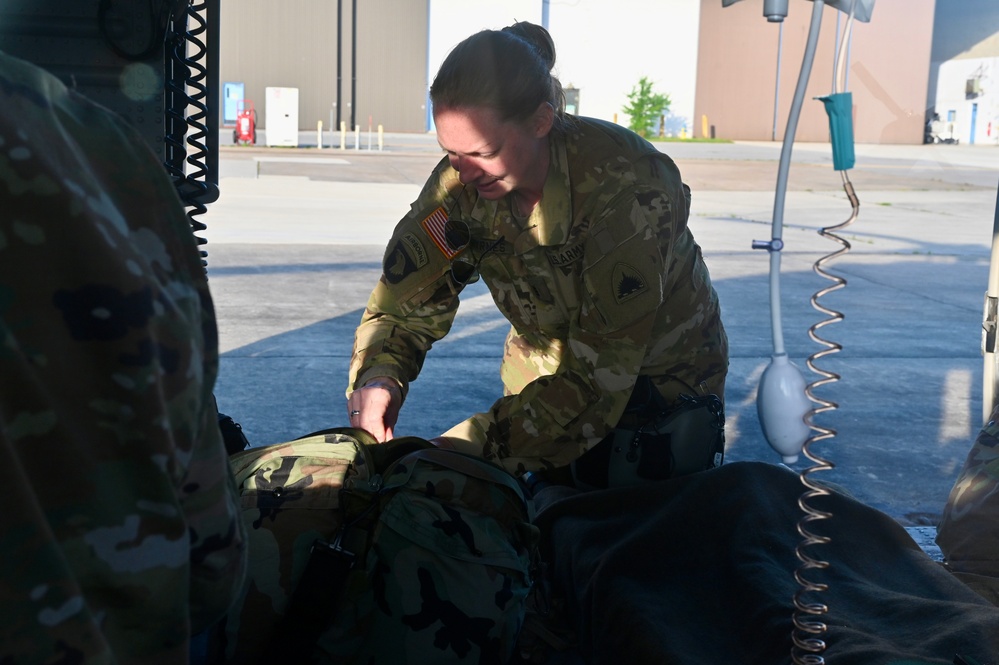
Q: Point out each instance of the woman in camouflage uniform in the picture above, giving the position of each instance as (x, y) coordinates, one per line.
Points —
(579, 229)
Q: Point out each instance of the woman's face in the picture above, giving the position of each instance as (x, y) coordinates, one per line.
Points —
(493, 156)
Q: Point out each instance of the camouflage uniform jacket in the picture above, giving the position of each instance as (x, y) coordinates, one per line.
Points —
(968, 533)
(603, 282)
(120, 533)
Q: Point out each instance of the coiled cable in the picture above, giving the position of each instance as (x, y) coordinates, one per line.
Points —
(808, 643)
(187, 113)
(808, 626)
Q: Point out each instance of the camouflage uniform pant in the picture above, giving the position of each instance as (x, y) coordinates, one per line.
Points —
(968, 534)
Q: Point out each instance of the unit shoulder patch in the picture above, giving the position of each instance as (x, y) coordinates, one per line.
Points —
(406, 256)
(624, 286)
(627, 283)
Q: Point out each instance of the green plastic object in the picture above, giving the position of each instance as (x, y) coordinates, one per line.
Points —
(839, 108)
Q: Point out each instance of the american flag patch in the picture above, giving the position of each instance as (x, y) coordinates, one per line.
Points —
(434, 226)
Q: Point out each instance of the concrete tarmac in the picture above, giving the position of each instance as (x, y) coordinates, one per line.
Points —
(296, 238)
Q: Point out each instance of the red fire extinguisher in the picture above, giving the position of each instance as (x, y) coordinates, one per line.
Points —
(246, 123)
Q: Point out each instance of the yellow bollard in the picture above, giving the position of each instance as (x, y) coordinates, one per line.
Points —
(704, 126)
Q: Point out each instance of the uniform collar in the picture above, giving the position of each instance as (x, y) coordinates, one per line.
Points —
(551, 218)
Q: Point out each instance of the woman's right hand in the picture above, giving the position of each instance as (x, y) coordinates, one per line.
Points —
(375, 407)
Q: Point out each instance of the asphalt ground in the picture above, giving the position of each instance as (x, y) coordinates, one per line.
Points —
(296, 238)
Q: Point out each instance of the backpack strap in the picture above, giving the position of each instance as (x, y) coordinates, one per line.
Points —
(312, 605)
(314, 601)
(475, 467)
(362, 436)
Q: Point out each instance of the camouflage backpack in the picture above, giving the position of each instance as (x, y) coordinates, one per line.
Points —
(290, 498)
(378, 553)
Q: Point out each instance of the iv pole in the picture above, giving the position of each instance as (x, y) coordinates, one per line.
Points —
(782, 403)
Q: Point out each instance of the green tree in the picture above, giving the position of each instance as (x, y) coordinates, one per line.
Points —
(645, 106)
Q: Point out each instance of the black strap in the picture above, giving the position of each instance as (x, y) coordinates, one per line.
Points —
(232, 433)
(312, 605)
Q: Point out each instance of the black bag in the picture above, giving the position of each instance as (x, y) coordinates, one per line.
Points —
(655, 443)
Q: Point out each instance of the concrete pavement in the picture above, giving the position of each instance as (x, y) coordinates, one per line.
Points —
(296, 238)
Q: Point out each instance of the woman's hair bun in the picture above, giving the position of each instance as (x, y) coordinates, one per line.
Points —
(537, 37)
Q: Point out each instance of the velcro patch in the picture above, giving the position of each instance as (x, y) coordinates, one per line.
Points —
(434, 225)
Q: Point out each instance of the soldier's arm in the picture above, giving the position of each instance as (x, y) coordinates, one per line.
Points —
(414, 303)
(389, 342)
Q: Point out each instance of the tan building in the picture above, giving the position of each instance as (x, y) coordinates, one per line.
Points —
(746, 64)
(914, 57)
(294, 44)
(747, 68)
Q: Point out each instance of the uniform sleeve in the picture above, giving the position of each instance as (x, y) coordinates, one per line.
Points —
(414, 303)
(968, 534)
(218, 542)
(556, 418)
(122, 534)
(208, 494)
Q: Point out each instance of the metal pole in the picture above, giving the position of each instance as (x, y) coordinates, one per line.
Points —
(353, 63)
(836, 55)
(990, 324)
(544, 14)
(339, 51)
(846, 67)
(780, 42)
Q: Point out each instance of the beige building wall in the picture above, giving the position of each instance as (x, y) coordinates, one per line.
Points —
(738, 78)
(293, 44)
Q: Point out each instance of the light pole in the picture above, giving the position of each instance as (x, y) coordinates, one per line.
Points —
(353, 63)
(339, 51)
